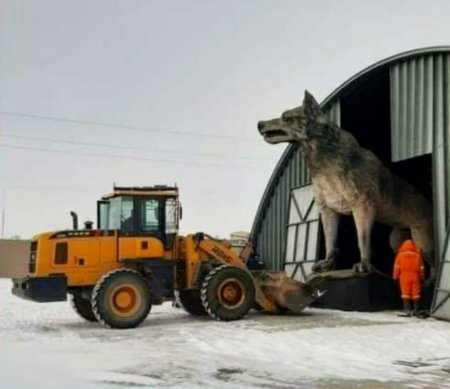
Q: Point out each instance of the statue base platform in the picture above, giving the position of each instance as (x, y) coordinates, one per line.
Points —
(364, 292)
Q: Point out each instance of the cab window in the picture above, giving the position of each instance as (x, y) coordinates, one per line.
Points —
(103, 215)
(127, 214)
(171, 216)
(114, 213)
(61, 253)
(149, 215)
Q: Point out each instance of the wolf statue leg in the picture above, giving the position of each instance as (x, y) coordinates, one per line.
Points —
(330, 223)
(364, 217)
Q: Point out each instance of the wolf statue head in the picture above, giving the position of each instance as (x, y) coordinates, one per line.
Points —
(295, 125)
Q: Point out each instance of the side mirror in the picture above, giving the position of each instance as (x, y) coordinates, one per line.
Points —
(181, 211)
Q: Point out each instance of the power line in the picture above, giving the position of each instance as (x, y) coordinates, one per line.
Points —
(122, 126)
(9, 188)
(109, 145)
(127, 158)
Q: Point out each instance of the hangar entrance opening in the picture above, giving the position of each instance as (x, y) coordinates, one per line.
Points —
(417, 171)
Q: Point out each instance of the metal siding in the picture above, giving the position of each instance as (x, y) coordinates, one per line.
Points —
(446, 134)
(285, 207)
(270, 239)
(291, 175)
(284, 214)
(276, 223)
(441, 176)
(439, 156)
(414, 84)
(418, 103)
(395, 103)
(271, 229)
(281, 221)
(259, 244)
(296, 165)
(441, 301)
(266, 238)
(428, 111)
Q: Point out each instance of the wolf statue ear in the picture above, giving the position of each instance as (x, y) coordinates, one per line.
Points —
(311, 106)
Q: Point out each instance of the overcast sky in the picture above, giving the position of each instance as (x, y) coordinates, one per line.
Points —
(187, 81)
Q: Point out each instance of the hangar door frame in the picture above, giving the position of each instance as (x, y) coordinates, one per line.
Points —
(441, 304)
(303, 235)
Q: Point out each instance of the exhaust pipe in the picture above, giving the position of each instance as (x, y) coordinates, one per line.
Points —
(74, 220)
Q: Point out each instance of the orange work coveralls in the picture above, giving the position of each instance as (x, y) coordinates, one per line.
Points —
(409, 269)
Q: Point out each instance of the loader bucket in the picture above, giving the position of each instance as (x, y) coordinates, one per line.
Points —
(286, 293)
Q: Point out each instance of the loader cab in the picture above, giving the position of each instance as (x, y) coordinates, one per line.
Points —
(149, 211)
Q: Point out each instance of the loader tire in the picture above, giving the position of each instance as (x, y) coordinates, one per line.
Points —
(82, 307)
(190, 301)
(121, 299)
(227, 293)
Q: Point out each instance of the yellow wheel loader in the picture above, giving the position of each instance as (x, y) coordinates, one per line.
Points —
(135, 258)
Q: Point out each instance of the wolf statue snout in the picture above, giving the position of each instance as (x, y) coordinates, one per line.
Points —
(260, 126)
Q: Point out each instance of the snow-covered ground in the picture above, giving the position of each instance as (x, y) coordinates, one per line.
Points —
(48, 346)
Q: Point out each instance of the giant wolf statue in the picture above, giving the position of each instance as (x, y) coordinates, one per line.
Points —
(349, 179)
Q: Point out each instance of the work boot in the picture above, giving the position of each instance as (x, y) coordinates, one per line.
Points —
(406, 309)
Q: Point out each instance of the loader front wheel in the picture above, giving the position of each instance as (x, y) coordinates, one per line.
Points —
(82, 307)
(227, 293)
(121, 299)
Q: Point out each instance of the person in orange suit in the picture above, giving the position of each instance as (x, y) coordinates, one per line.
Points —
(409, 270)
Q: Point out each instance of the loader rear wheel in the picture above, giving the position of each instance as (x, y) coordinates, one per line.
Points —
(82, 307)
(190, 301)
(227, 293)
(121, 299)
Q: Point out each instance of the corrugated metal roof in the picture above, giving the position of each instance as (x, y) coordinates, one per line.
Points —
(389, 61)
(420, 124)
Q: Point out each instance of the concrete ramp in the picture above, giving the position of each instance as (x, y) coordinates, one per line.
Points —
(14, 257)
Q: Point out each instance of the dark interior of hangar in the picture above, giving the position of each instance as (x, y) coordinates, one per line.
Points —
(365, 112)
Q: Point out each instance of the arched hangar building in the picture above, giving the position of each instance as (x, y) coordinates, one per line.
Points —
(400, 109)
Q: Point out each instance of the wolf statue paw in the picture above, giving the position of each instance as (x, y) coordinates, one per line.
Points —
(323, 265)
(361, 267)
